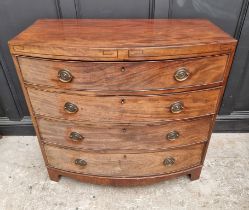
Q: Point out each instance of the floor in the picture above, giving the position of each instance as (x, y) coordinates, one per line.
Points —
(224, 182)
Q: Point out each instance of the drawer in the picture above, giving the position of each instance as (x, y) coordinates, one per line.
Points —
(126, 76)
(124, 109)
(124, 165)
(127, 138)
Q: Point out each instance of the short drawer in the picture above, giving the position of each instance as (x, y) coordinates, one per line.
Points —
(124, 165)
(124, 109)
(128, 138)
(125, 76)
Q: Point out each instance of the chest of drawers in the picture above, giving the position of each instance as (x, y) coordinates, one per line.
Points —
(123, 102)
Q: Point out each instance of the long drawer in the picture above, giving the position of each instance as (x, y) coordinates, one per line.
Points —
(130, 76)
(124, 165)
(127, 138)
(124, 109)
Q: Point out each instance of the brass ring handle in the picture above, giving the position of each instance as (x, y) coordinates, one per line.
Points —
(65, 76)
(70, 108)
(169, 161)
(173, 135)
(75, 136)
(177, 107)
(181, 74)
(80, 162)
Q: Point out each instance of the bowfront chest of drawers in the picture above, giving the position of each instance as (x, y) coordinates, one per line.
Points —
(123, 102)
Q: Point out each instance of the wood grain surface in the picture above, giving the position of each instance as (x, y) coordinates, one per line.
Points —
(124, 138)
(123, 165)
(126, 76)
(121, 39)
(124, 109)
(55, 174)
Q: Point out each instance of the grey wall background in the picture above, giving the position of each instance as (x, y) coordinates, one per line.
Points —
(232, 16)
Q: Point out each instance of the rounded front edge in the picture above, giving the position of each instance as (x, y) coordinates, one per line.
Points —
(126, 181)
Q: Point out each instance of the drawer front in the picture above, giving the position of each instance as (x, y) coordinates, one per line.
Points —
(124, 165)
(130, 76)
(126, 109)
(127, 138)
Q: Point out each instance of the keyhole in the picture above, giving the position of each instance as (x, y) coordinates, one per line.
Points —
(124, 130)
(123, 69)
(122, 101)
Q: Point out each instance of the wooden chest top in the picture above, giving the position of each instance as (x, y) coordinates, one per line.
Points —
(120, 39)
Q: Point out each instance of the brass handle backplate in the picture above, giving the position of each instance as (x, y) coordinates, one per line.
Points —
(70, 107)
(173, 135)
(80, 162)
(75, 136)
(65, 76)
(169, 161)
(181, 74)
(177, 107)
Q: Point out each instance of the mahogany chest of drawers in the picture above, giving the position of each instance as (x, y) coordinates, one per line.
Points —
(123, 102)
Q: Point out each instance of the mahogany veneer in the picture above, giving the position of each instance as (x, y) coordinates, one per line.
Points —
(129, 138)
(123, 102)
(137, 76)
